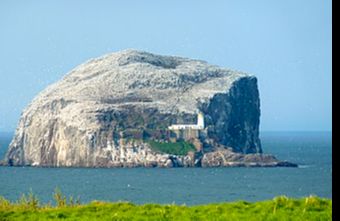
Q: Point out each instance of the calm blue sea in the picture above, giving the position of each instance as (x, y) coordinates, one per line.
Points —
(312, 150)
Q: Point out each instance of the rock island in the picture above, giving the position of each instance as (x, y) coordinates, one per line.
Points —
(137, 109)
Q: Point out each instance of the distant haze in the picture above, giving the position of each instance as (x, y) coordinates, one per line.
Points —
(286, 44)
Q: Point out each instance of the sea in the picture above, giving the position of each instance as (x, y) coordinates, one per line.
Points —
(189, 186)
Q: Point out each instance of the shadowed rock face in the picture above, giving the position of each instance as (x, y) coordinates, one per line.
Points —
(86, 118)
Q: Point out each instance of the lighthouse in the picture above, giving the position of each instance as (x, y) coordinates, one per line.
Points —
(198, 126)
(190, 132)
(200, 121)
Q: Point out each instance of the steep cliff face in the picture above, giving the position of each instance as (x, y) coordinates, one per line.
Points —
(100, 113)
(233, 118)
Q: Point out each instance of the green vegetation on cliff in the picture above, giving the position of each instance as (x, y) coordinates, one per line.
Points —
(175, 148)
(280, 208)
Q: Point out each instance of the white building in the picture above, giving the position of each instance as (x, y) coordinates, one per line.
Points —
(198, 126)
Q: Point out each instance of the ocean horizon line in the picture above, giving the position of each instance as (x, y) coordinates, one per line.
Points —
(261, 131)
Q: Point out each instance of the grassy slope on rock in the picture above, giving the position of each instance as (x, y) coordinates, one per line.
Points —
(177, 148)
(280, 208)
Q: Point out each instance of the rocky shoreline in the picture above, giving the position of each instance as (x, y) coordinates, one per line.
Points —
(139, 154)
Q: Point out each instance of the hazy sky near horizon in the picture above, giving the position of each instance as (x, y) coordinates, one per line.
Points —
(285, 43)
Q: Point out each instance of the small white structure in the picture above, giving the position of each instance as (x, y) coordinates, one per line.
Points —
(198, 126)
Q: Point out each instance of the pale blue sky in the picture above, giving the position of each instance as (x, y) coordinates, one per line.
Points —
(285, 43)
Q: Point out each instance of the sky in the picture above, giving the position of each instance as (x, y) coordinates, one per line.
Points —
(286, 44)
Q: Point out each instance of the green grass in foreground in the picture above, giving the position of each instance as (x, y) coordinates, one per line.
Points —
(280, 208)
(177, 148)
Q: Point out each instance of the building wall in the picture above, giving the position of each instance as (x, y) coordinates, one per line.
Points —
(186, 134)
(189, 132)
